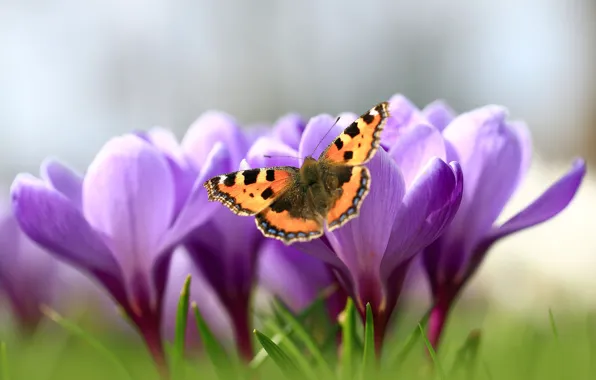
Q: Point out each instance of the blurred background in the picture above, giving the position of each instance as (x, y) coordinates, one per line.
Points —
(73, 74)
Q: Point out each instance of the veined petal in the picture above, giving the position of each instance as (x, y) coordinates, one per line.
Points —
(128, 195)
(54, 222)
(197, 209)
(403, 114)
(281, 154)
(428, 207)
(213, 127)
(549, 204)
(415, 148)
(64, 180)
(491, 177)
(439, 114)
(361, 242)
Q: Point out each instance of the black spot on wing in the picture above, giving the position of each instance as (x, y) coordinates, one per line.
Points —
(230, 179)
(348, 155)
(281, 205)
(251, 195)
(344, 174)
(352, 130)
(250, 176)
(267, 193)
(270, 175)
(368, 118)
(338, 143)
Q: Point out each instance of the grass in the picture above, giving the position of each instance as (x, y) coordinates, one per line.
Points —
(512, 347)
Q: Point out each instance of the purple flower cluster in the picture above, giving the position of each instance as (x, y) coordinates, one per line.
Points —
(438, 184)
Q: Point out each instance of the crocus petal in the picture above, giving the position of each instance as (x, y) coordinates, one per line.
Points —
(439, 114)
(64, 180)
(525, 140)
(490, 153)
(280, 265)
(280, 154)
(197, 209)
(288, 130)
(415, 148)
(549, 204)
(51, 220)
(402, 115)
(207, 130)
(319, 133)
(128, 195)
(165, 141)
(428, 207)
(361, 242)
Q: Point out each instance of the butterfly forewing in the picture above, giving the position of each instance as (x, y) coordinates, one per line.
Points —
(359, 141)
(248, 192)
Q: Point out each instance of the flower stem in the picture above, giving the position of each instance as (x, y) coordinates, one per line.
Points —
(437, 321)
(242, 333)
(152, 337)
(380, 323)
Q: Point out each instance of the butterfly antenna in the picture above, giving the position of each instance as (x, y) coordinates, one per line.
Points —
(323, 138)
(269, 156)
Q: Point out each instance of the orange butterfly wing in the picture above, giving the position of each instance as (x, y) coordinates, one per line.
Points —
(281, 225)
(248, 192)
(354, 183)
(360, 140)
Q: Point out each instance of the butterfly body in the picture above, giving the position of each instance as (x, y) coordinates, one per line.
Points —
(294, 204)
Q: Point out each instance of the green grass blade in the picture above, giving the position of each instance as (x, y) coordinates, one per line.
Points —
(432, 353)
(224, 368)
(553, 325)
(284, 361)
(368, 356)
(181, 323)
(4, 361)
(466, 356)
(348, 341)
(76, 330)
(400, 356)
(262, 355)
(301, 333)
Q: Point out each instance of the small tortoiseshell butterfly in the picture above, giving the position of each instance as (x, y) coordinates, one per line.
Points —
(293, 204)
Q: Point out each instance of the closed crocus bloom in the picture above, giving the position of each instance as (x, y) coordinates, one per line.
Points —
(226, 248)
(120, 222)
(29, 276)
(494, 155)
(414, 193)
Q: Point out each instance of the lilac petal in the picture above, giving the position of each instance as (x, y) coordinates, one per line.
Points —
(55, 223)
(281, 154)
(525, 140)
(210, 128)
(128, 195)
(439, 114)
(165, 141)
(10, 242)
(415, 148)
(280, 265)
(64, 180)
(491, 170)
(288, 130)
(197, 209)
(427, 208)
(548, 205)
(402, 115)
(319, 133)
(361, 242)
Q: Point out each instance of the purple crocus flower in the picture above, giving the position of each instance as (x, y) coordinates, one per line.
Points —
(495, 155)
(297, 279)
(225, 249)
(120, 222)
(29, 277)
(414, 195)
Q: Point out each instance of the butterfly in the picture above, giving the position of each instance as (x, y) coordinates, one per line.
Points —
(293, 204)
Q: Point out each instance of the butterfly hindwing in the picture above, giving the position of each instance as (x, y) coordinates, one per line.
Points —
(354, 184)
(360, 140)
(247, 192)
(284, 219)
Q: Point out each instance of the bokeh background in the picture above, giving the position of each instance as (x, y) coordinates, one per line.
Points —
(73, 74)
